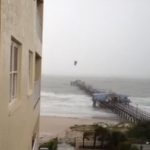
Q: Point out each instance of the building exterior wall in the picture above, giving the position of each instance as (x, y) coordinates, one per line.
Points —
(19, 119)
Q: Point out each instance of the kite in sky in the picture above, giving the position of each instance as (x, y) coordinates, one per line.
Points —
(75, 63)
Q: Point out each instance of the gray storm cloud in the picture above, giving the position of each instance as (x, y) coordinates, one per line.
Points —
(107, 37)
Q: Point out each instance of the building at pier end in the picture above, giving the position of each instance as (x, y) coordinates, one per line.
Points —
(21, 24)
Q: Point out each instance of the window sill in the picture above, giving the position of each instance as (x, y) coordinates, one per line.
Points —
(13, 106)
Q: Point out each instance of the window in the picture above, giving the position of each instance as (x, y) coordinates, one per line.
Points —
(37, 67)
(37, 79)
(14, 69)
(30, 69)
(39, 18)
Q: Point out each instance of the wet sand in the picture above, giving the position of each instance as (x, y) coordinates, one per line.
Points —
(51, 127)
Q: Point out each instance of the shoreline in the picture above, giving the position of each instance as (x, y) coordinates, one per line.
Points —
(56, 126)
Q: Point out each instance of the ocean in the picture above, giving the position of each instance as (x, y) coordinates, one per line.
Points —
(59, 98)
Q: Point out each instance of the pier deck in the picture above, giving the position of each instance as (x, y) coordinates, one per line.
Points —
(119, 104)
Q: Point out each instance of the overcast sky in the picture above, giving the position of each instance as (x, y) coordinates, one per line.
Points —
(107, 37)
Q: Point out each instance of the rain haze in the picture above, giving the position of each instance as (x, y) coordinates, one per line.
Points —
(108, 38)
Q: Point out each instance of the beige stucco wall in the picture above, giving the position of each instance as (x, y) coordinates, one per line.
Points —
(18, 121)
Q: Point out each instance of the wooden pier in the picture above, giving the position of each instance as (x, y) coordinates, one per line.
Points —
(117, 103)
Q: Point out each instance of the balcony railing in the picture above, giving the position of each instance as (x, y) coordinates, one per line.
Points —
(37, 90)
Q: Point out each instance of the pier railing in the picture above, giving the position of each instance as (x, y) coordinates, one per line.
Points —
(129, 112)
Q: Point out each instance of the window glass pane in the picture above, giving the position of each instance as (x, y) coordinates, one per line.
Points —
(14, 90)
(11, 86)
(37, 67)
(15, 67)
(11, 56)
(30, 69)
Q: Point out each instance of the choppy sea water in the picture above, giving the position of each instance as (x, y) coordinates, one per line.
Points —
(59, 98)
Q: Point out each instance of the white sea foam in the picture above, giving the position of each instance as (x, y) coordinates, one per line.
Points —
(142, 103)
(58, 98)
(70, 105)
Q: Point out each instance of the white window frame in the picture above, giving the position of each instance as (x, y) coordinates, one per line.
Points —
(14, 70)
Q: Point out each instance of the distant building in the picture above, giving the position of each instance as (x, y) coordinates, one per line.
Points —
(20, 73)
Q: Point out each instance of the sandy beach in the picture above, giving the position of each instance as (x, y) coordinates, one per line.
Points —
(51, 127)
